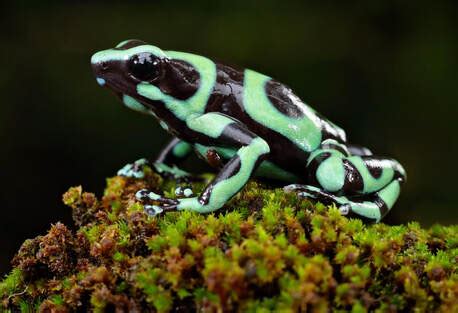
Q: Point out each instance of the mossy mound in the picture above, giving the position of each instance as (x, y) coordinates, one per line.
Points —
(265, 251)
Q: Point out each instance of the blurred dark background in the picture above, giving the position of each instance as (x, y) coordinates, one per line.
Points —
(386, 71)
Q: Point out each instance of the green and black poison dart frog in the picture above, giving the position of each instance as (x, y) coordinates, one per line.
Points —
(244, 123)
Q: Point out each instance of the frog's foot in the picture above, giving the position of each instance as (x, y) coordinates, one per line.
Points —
(370, 208)
(175, 173)
(134, 170)
(147, 197)
(312, 192)
(184, 191)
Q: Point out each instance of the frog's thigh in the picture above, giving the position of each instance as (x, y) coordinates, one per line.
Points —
(355, 174)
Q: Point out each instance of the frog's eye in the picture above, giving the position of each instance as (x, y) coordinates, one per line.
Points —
(145, 66)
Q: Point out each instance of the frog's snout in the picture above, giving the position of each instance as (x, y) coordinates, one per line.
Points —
(99, 68)
(100, 81)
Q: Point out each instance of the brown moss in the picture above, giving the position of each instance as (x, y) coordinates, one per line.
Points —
(264, 251)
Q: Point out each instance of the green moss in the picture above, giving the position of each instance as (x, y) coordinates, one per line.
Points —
(265, 251)
(11, 283)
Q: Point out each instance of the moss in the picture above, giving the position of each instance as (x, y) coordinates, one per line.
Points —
(265, 251)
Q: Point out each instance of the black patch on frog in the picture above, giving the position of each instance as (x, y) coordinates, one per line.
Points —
(372, 165)
(353, 180)
(230, 169)
(236, 135)
(180, 80)
(130, 44)
(329, 131)
(227, 93)
(283, 99)
(287, 103)
(312, 167)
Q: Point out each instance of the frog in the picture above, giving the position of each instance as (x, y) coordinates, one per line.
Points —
(244, 124)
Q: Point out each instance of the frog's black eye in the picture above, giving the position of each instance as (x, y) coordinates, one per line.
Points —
(145, 66)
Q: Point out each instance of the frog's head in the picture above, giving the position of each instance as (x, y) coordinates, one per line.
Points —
(130, 63)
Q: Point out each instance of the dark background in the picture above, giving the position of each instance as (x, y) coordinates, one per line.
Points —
(386, 71)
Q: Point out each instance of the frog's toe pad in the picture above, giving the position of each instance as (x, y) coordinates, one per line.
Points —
(153, 210)
(184, 191)
(145, 194)
(134, 170)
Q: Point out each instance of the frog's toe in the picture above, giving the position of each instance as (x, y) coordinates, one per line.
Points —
(184, 191)
(146, 197)
(153, 210)
(311, 192)
(134, 170)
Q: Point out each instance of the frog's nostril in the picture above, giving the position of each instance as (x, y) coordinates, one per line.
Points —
(100, 81)
(104, 66)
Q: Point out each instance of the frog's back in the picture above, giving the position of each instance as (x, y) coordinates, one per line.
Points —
(274, 112)
(273, 105)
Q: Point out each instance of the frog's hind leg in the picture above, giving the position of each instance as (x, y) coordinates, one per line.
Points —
(370, 208)
(362, 185)
(335, 170)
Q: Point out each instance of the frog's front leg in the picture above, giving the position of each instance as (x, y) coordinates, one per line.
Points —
(165, 163)
(222, 131)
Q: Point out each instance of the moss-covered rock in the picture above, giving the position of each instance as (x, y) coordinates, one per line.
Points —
(264, 251)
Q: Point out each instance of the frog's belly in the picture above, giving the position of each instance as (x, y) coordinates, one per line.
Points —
(266, 169)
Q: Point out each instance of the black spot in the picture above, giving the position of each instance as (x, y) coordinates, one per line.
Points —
(181, 80)
(283, 99)
(236, 135)
(353, 179)
(374, 166)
